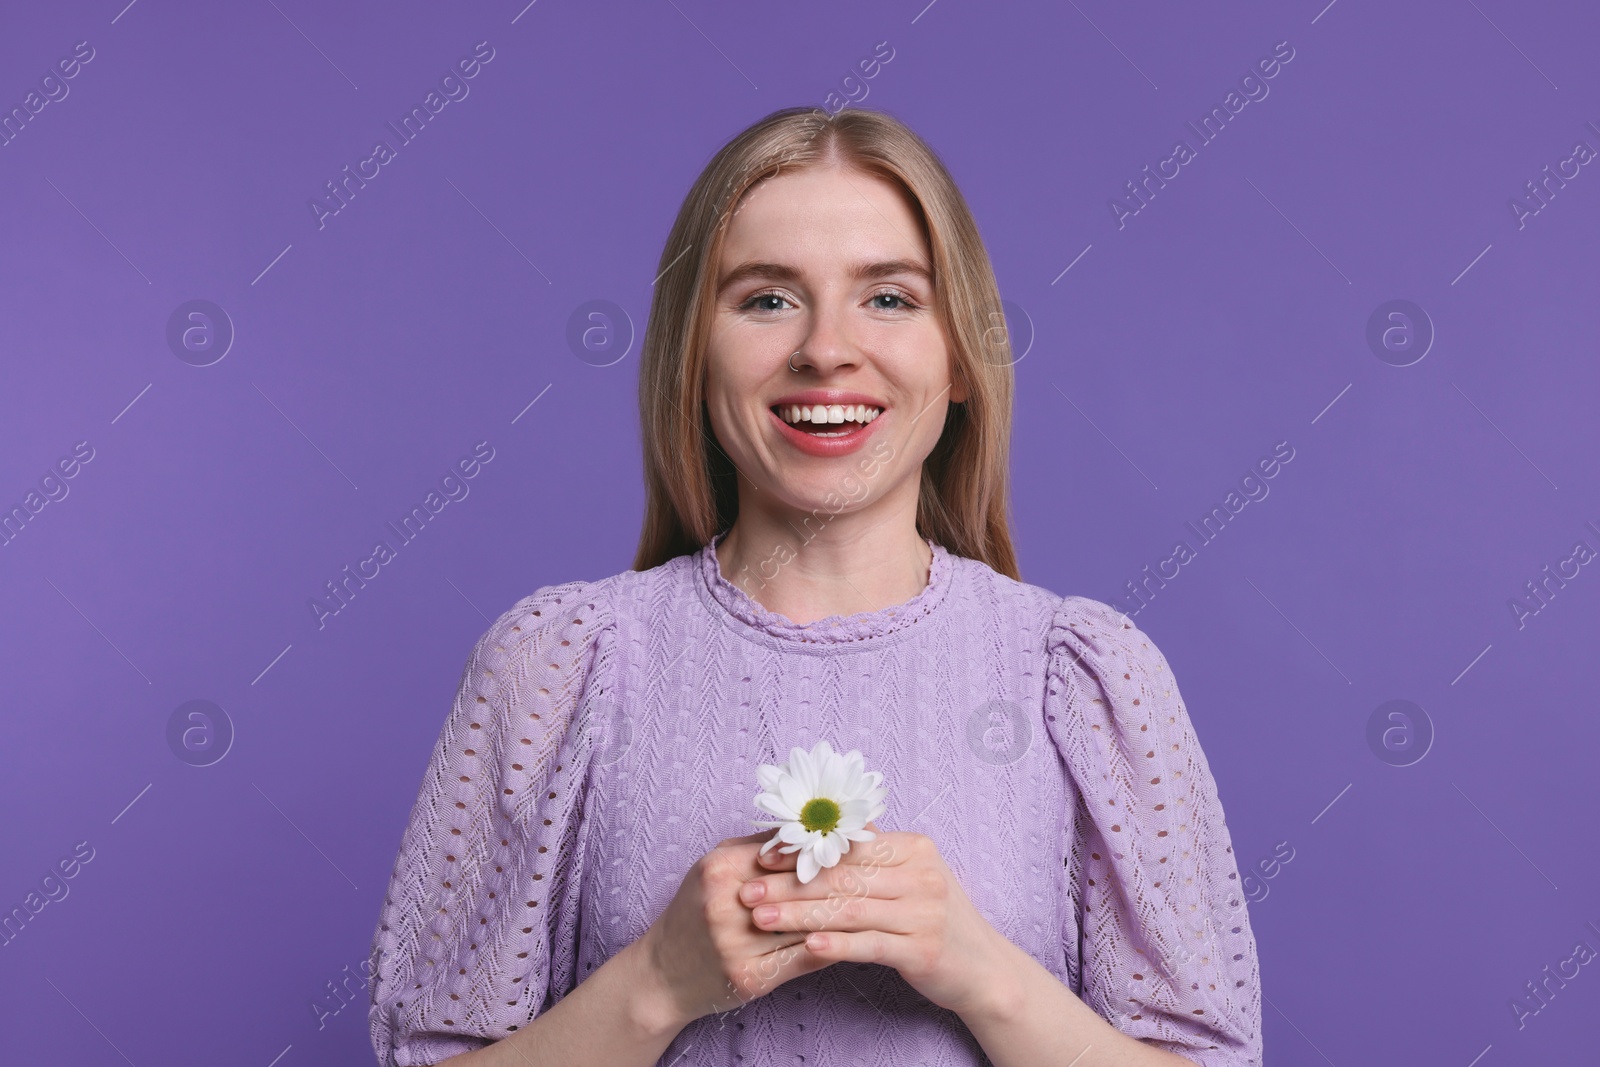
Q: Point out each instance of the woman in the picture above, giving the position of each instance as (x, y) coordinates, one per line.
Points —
(825, 392)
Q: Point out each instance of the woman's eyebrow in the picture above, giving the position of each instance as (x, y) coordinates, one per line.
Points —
(782, 272)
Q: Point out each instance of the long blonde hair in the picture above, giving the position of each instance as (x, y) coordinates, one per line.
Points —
(690, 484)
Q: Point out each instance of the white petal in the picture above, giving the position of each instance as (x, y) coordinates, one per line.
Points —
(822, 754)
(856, 810)
(860, 835)
(794, 833)
(795, 795)
(828, 851)
(779, 806)
(855, 782)
(832, 777)
(769, 776)
(801, 771)
(806, 866)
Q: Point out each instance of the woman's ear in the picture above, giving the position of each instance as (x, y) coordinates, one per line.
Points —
(958, 391)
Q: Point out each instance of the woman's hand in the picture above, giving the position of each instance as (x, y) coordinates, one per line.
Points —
(704, 955)
(894, 901)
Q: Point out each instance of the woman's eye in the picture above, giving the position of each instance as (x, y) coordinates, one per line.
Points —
(771, 301)
(757, 302)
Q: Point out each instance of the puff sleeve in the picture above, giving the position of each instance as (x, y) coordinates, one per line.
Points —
(1162, 948)
(478, 927)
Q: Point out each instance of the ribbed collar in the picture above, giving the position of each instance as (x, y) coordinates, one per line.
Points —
(863, 628)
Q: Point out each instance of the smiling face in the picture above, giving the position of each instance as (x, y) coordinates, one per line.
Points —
(830, 265)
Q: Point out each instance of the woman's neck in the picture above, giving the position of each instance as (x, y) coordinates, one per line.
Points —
(814, 566)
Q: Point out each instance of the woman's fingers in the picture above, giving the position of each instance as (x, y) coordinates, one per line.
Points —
(775, 860)
(867, 946)
(834, 913)
(790, 959)
(840, 880)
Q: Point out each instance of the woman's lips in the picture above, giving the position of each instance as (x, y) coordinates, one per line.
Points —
(817, 445)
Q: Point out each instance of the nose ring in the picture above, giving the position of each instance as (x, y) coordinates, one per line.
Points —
(792, 367)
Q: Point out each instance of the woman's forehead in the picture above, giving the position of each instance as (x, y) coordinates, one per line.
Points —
(811, 226)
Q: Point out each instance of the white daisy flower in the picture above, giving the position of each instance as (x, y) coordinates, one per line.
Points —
(823, 801)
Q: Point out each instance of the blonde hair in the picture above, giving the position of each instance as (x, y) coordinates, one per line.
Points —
(690, 485)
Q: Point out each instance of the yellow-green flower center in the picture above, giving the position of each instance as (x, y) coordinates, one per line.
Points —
(820, 814)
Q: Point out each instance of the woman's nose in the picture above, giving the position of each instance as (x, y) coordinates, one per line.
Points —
(826, 346)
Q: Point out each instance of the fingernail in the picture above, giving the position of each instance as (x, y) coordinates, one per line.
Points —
(753, 891)
(766, 913)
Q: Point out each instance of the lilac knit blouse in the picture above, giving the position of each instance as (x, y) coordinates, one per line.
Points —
(607, 733)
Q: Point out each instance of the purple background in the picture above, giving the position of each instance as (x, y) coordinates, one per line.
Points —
(1229, 314)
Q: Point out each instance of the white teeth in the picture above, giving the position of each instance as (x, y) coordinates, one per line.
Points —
(829, 413)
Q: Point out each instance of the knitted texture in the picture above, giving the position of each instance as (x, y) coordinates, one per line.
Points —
(606, 734)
